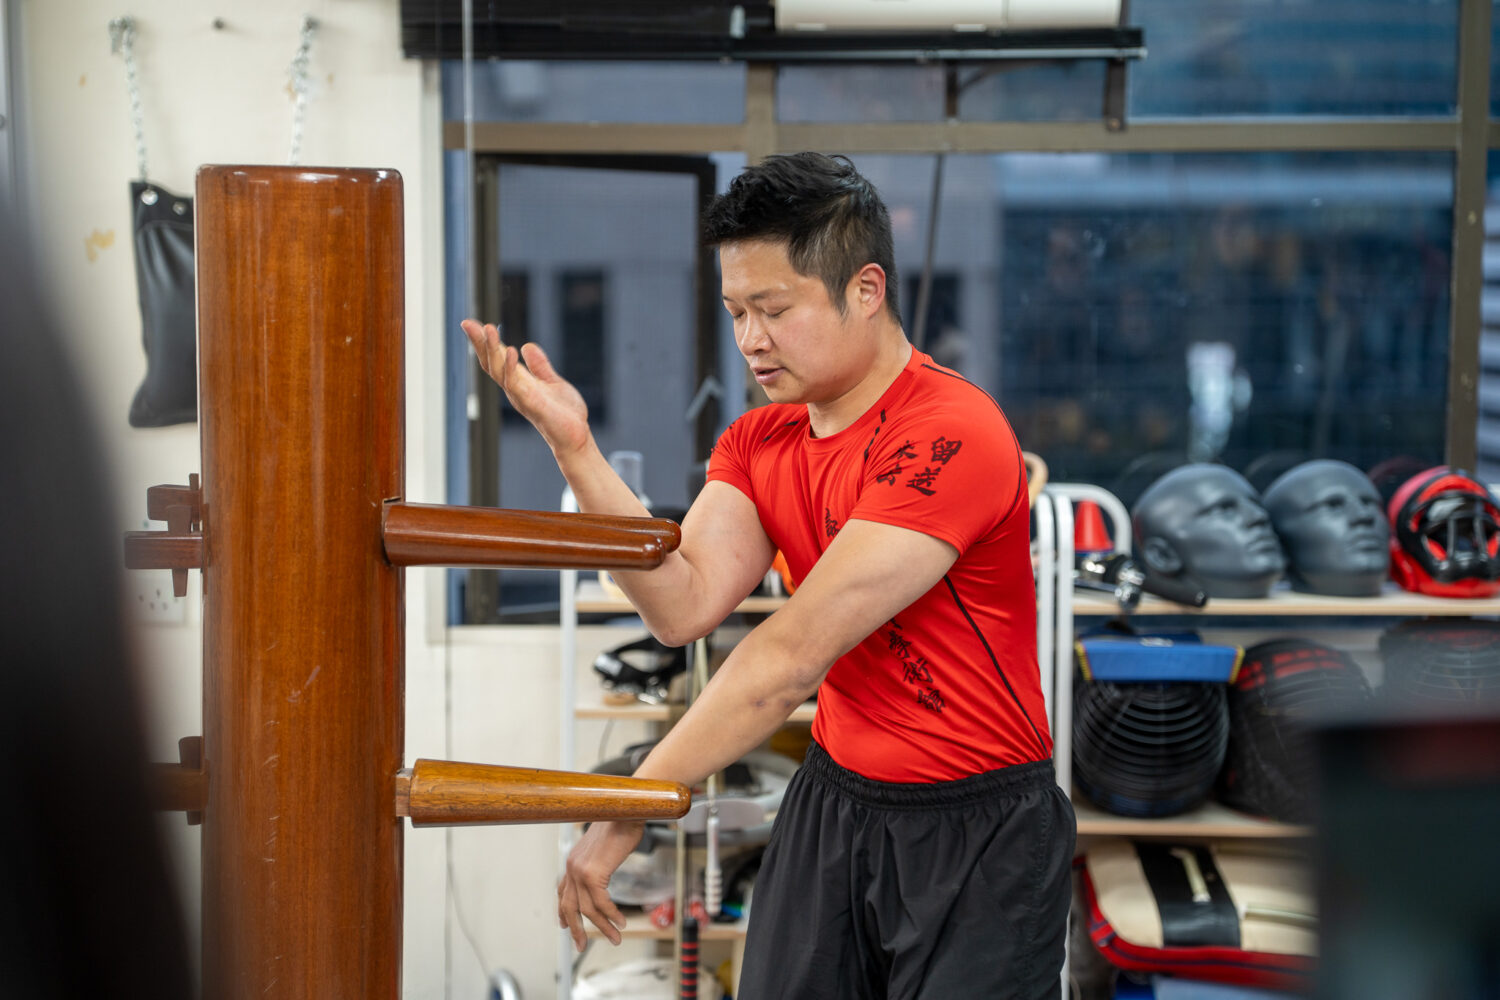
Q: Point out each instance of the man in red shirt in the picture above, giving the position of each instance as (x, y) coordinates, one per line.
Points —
(923, 849)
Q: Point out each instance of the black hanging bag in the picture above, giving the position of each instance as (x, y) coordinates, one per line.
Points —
(163, 227)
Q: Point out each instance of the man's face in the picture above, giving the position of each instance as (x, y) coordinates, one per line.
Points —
(800, 348)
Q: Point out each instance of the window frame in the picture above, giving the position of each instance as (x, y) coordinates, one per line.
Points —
(1469, 135)
(482, 586)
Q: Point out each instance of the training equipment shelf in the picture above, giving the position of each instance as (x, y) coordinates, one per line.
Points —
(1208, 821)
(1282, 611)
(1392, 602)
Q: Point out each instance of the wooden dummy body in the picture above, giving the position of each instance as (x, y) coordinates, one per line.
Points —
(301, 533)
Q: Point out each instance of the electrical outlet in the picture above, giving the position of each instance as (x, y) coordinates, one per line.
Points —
(151, 599)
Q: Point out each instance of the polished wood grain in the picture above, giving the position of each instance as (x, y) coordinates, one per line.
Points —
(180, 547)
(438, 535)
(181, 787)
(668, 531)
(300, 320)
(453, 793)
(160, 498)
(304, 533)
(163, 550)
(174, 788)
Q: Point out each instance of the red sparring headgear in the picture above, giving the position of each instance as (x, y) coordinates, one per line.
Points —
(1445, 535)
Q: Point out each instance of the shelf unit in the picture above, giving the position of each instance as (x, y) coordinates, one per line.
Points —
(1053, 514)
(1213, 820)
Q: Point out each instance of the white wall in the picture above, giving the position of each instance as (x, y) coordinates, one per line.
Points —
(223, 96)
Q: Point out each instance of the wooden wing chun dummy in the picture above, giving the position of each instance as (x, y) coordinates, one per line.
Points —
(300, 530)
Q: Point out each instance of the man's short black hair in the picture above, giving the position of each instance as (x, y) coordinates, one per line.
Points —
(829, 217)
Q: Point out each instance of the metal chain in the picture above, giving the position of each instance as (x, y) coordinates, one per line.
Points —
(122, 43)
(300, 85)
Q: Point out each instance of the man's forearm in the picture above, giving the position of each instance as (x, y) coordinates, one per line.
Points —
(749, 698)
(595, 484)
(661, 595)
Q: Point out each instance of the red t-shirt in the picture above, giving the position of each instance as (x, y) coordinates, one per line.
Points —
(949, 687)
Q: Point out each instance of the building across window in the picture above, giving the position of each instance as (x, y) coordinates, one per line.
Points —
(581, 316)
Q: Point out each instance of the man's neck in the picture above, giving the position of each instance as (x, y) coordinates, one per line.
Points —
(890, 360)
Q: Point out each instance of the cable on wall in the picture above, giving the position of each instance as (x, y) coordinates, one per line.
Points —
(301, 86)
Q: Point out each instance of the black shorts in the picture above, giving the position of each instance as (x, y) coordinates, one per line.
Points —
(954, 890)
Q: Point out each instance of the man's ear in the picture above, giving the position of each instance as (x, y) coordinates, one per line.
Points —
(1160, 557)
(866, 290)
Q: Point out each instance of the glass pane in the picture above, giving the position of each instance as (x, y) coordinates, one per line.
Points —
(1063, 92)
(618, 247)
(1003, 91)
(547, 91)
(1133, 312)
(1494, 62)
(607, 257)
(1281, 57)
(1489, 337)
(581, 305)
(861, 93)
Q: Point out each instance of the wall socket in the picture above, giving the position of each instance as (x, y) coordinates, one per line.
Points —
(151, 600)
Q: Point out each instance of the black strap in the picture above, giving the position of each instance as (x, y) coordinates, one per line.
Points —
(1185, 922)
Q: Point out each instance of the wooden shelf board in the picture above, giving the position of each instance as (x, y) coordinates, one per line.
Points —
(636, 711)
(1392, 602)
(1211, 819)
(593, 599)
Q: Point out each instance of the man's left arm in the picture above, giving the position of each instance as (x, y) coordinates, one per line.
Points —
(926, 479)
(868, 575)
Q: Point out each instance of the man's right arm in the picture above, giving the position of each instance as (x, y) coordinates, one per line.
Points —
(723, 556)
(724, 552)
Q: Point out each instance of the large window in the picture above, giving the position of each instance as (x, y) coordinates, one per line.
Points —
(1260, 267)
(1256, 310)
(598, 267)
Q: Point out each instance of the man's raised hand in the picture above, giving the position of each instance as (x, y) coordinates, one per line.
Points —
(554, 407)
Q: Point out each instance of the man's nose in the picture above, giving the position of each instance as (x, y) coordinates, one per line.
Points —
(751, 336)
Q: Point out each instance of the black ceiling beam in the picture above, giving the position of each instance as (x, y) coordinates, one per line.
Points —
(511, 40)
